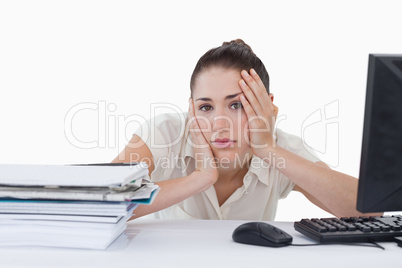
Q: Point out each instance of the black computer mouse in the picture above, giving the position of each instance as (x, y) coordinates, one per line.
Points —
(261, 234)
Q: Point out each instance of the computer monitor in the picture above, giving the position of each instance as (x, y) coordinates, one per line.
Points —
(380, 179)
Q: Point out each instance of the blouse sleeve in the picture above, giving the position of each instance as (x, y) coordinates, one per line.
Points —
(286, 186)
(163, 135)
(293, 144)
(152, 134)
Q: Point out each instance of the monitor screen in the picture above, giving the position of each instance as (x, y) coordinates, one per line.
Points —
(380, 179)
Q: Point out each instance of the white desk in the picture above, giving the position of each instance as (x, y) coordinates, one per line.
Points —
(160, 243)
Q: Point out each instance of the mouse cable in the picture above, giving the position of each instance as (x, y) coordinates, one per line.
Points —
(373, 245)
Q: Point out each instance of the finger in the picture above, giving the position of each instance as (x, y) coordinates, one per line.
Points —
(255, 84)
(192, 119)
(247, 107)
(193, 126)
(250, 96)
(191, 116)
(190, 107)
(195, 130)
(257, 79)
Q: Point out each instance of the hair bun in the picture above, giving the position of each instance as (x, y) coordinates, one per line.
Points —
(237, 41)
(233, 55)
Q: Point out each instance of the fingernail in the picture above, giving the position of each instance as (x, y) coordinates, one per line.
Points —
(242, 82)
(253, 72)
(245, 73)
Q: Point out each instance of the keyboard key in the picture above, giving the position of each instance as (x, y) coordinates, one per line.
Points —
(376, 229)
(332, 228)
(351, 227)
(364, 219)
(355, 219)
(342, 228)
(363, 228)
(385, 228)
(315, 226)
(345, 219)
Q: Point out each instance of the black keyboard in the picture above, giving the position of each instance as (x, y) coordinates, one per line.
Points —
(352, 229)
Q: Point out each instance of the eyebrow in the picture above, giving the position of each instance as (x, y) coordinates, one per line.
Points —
(226, 98)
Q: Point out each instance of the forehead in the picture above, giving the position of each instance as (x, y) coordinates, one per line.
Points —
(217, 83)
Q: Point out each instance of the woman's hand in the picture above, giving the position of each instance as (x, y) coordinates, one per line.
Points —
(205, 160)
(260, 111)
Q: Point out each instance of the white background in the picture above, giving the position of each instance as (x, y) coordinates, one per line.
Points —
(119, 57)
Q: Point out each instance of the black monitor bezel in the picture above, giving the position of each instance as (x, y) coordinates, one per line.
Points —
(378, 189)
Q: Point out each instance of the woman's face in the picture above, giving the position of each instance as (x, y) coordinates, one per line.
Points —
(221, 117)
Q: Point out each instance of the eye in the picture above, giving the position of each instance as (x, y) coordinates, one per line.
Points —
(205, 108)
(236, 105)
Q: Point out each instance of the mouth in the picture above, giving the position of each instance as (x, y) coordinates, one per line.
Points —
(223, 143)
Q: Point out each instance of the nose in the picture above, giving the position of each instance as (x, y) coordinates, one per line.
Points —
(222, 123)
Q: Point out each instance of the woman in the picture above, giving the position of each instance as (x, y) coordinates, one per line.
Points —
(230, 162)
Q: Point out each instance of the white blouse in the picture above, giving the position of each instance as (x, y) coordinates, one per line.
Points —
(257, 199)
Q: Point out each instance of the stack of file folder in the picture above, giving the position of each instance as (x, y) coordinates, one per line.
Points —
(79, 206)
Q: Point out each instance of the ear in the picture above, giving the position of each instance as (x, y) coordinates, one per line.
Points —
(271, 97)
(276, 109)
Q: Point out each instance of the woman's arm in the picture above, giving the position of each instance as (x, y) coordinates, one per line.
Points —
(136, 151)
(172, 191)
(330, 190)
(175, 190)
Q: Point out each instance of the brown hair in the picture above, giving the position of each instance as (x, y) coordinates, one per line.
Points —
(235, 54)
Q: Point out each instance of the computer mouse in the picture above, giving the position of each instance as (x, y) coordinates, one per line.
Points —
(261, 234)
